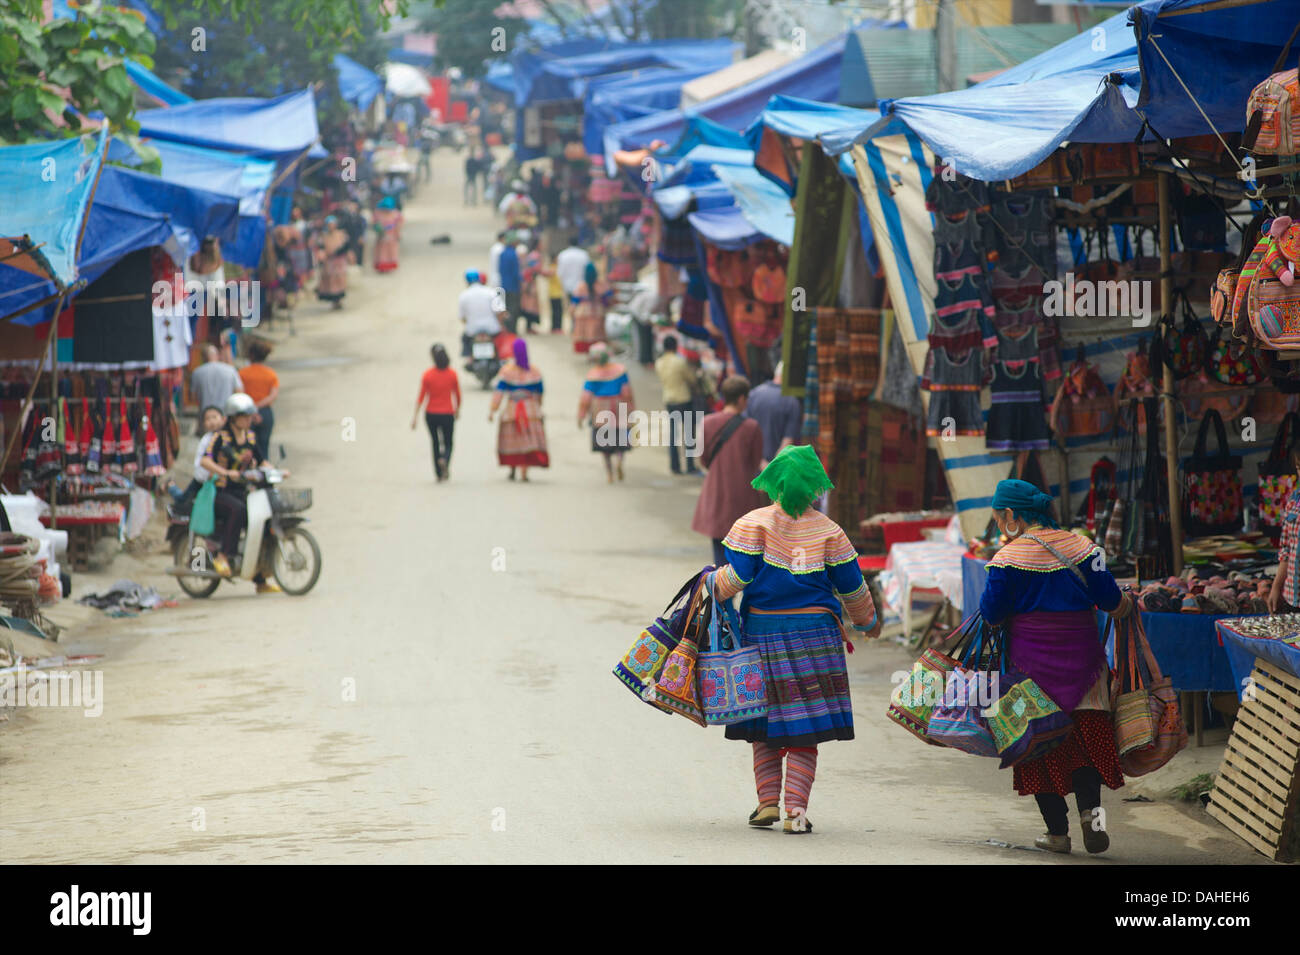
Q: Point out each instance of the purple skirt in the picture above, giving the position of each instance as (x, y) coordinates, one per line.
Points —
(1061, 651)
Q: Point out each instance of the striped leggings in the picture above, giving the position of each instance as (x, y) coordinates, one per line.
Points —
(800, 770)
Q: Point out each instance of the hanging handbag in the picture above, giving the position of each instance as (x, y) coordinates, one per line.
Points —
(958, 721)
(1083, 407)
(1213, 498)
(1025, 722)
(1277, 477)
(1134, 724)
(733, 685)
(645, 660)
(913, 701)
(1233, 362)
(153, 466)
(1140, 753)
(1101, 495)
(94, 446)
(1184, 346)
(677, 688)
(72, 450)
(126, 442)
(1201, 394)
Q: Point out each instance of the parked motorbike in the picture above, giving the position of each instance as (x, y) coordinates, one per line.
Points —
(279, 545)
(484, 361)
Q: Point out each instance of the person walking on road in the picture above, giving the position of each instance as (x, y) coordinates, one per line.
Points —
(1042, 586)
(510, 277)
(677, 379)
(388, 235)
(779, 416)
(606, 403)
(731, 452)
(213, 382)
(261, 384)
(440, 397)
(333, 245)
(521, 435)
(590, 302)
(795, 566)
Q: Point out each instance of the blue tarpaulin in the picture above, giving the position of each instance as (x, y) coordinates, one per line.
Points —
(357, 85)
(134, 211)
(762, 202)
(1219, 54)
(501, 76)
(47, 189)
(1083, 90)
(154, 86)
(279, 128)
(619, 97)
(814, 76)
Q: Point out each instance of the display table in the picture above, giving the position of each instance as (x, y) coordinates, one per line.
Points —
(83, 531)
(923, 565)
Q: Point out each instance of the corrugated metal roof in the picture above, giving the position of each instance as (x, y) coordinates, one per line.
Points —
(901, 62)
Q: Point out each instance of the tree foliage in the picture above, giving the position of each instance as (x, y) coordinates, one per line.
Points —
(470, 34)
(45, 68)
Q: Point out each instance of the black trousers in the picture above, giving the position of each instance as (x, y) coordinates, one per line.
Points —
(262, 433)
(440, 428)
(232, 515)
(1087, 796)
(557, 314)
(681, 430)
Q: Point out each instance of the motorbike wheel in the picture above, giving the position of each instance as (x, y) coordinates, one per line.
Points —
(194, 586)
(295, 561)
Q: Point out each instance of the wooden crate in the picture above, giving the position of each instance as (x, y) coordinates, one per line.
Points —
(1257, 792)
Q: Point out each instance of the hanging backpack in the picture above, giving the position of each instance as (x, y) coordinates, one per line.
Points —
(1083, 406)
(1277, 478)
(1274, 106)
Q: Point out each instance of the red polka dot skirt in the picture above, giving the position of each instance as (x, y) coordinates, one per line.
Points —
(1091, 743)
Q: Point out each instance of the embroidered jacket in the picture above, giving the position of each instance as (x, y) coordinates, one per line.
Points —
(1024, 577)
(793, 563)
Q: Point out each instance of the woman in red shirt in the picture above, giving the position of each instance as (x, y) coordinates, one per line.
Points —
(440, 397)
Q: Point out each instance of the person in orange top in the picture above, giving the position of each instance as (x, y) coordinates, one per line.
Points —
(440, 398)
(263, 386)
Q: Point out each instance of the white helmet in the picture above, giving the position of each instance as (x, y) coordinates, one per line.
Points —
(240, 403)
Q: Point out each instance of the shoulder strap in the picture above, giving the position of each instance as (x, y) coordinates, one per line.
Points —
(1061, 557)
(728, 429)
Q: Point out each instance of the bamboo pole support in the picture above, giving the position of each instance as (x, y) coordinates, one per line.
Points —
(1167, 383)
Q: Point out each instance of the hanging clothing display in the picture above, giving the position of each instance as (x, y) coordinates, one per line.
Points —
(954, 387)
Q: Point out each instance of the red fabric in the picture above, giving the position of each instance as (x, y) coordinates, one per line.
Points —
(1091, 743)
(727, 495)
(438, 386)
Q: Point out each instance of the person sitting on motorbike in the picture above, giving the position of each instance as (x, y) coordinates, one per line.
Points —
(213, 420)
(231, 455)
(481, 309)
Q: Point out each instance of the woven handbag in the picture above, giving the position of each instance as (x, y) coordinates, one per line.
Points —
(1277, 479)
(913, 701)
(732, 678)
(1135, 726)
(1025, 722)
(645, 660)
(676, 690)
(1169, 733)
(1213, 499)
(958, 722)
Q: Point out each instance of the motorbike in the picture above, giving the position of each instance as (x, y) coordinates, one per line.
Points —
(274, 542)
(484, 360)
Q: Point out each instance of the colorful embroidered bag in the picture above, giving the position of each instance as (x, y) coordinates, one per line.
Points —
(1083, 406)
(1149, 728)
(645, 660)
(1234, 363)
(913, 701)
(1025, 722)
(1183, 350)
(1213, 497)
(958, 721)
(1277, 477)
(733, 682)
(1274, 105)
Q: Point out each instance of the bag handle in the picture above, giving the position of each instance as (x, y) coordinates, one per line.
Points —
(694, 583)
(1211, 417)
(1286, 436)
(1078, 574)
(716, 637)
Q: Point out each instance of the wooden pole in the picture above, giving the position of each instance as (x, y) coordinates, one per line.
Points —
(31, 393)
(54, 410)
(1167, 383)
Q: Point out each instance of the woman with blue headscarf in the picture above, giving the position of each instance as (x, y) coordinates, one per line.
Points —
(590, 300)
(1042, 587)
(388, 234)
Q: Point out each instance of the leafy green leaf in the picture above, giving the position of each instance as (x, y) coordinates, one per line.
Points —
(26, 104)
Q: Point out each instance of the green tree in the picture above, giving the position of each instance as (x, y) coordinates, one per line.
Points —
(470, 34)
(80, 63)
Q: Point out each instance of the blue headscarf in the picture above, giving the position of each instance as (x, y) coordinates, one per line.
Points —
(1025, 501)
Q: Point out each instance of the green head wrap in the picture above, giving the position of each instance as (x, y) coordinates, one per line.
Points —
(794, 479)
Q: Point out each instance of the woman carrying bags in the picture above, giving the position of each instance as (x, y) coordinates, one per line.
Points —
(795, 566)
(1042, 587)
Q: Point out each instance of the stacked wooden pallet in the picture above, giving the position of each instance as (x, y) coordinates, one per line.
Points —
(1257, 793)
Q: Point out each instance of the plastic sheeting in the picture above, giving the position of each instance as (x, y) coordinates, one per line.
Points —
(357, 85)
(47, 190)
(557, 73)
(762, 202)
(1083, 90)
(270, 128)
(1220, 54)
(814, 76)
(404, 80)
(622, 96)
(155, 87)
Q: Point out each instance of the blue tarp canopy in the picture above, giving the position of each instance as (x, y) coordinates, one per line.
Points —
(501, 76)
(762, 202)
(279, 128)
(815, 76)
(47, 189)
(357, 85)
(154, 86)
(835, 127)
(559, 72)
(1083, 90)
(1220, 54)
(134, 211)
(619, 97)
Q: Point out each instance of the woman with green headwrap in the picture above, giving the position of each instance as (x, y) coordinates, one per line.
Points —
(1042, 586)
(795, 566)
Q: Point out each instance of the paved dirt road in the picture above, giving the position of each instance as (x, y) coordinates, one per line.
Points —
(478, 622)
